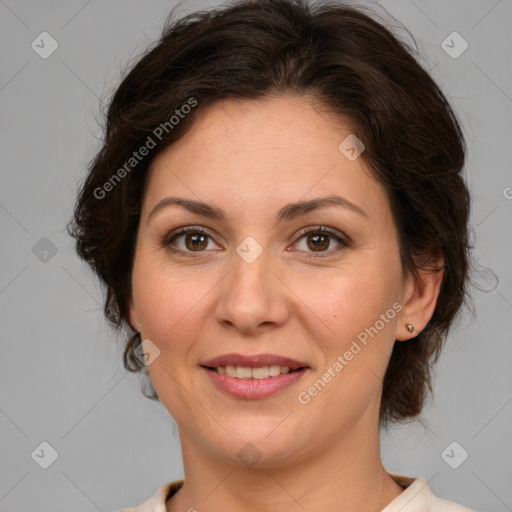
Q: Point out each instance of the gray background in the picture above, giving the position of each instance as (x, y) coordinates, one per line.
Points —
(62, 380)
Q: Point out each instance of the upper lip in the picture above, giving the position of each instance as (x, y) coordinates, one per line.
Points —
(254, 361)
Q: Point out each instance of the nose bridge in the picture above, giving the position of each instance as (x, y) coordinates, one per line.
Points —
(250, 296)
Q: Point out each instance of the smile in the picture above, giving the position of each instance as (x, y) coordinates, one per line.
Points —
(253, 387)
(245, 372)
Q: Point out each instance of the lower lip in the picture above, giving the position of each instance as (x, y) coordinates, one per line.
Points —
(253, 388)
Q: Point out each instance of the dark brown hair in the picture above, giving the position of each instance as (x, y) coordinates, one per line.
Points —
(356, 68)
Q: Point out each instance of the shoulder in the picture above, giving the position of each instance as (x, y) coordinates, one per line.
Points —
(418, 497)
(157, 502)
(442, 505)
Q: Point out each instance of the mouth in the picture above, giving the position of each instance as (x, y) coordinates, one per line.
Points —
(253, 377)
(260, 372)
(254, 361)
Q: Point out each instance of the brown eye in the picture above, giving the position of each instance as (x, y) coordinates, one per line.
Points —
(195, 241)
(319, 240)
(188, 240)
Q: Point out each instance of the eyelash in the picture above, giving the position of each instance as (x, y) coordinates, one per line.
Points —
(342, 240)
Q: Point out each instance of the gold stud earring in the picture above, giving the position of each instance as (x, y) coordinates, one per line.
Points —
(410, 327)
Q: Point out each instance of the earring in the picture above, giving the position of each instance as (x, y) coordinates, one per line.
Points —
(410, 327)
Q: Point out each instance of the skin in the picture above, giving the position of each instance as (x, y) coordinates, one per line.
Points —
(250, 158)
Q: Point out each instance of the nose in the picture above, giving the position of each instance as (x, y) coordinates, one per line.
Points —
(251, 298)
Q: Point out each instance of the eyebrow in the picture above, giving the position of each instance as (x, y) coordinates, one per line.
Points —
(286, 213)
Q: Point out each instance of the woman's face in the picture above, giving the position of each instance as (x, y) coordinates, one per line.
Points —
(263, 280)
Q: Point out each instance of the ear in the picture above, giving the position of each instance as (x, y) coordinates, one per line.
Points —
(419, 300)
(132, 316)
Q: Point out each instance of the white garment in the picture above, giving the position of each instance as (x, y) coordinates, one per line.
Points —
(417, 497)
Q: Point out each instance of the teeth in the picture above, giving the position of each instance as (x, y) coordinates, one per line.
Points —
(244, 372)
(275, 370)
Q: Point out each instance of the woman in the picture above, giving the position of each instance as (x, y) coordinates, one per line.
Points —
(279, 218)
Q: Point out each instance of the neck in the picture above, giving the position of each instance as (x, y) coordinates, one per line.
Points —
(346, 474)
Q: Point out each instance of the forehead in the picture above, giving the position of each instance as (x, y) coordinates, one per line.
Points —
(241, 152)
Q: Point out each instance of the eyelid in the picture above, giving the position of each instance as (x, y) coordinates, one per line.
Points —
(322, 228)
(339, 236)
(169, 238)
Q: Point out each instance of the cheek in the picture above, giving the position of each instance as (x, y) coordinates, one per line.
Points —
(167, 300)
(169, 303)
(356, 318)
(356, 321)
(349, 299)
